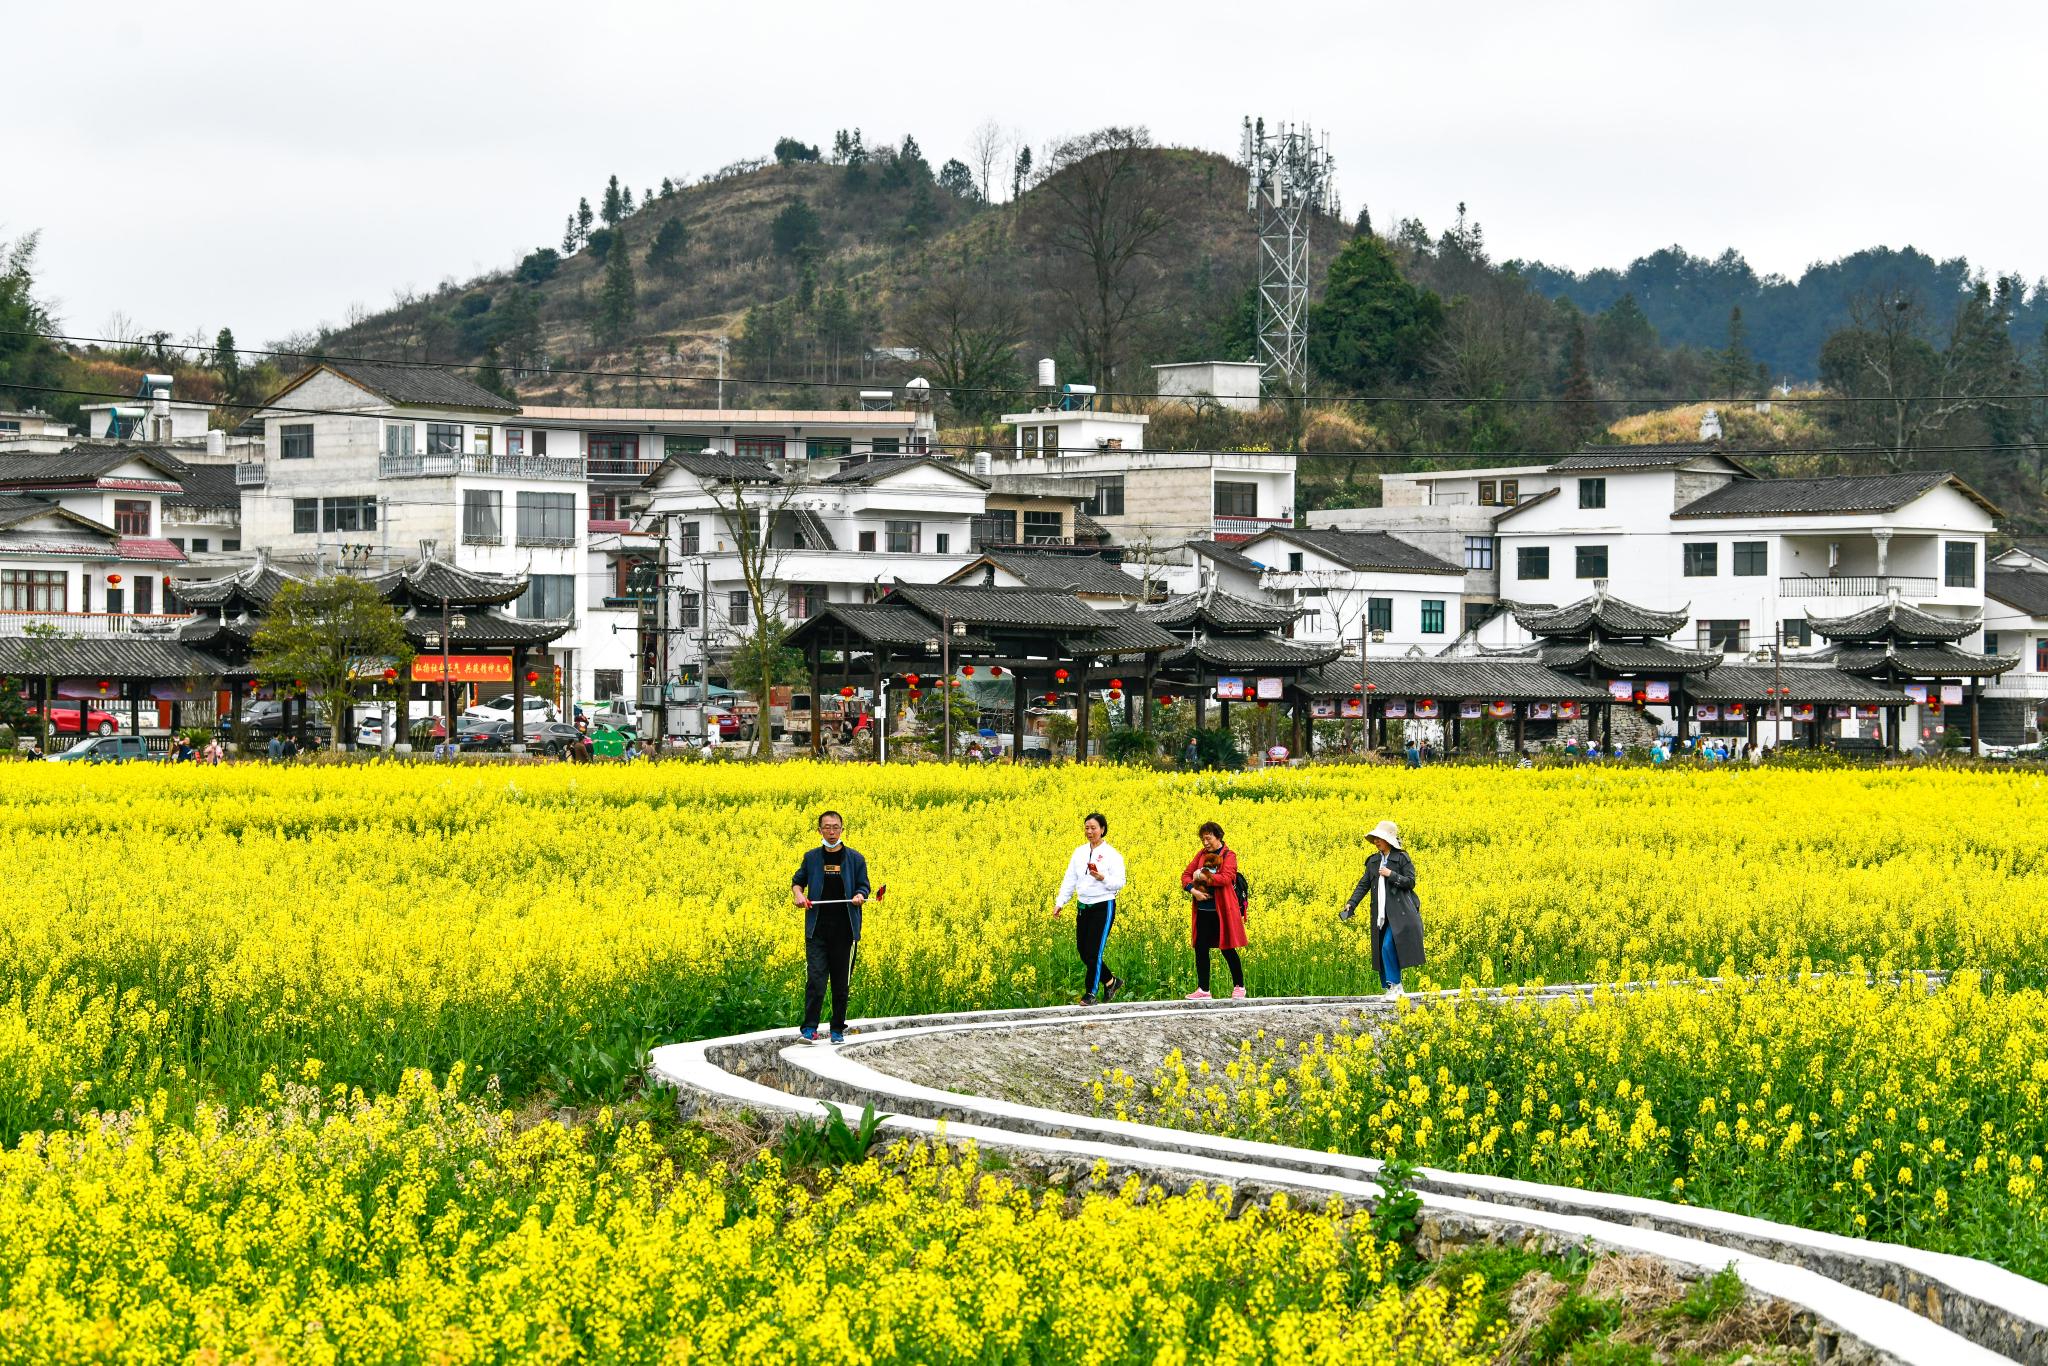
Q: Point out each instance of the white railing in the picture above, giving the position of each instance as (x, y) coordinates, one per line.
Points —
(506, 466)
(250, 474)
(1857, 586)
(94, 624)
(1248, 526)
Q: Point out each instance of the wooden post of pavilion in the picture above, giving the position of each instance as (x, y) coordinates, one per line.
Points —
(1295, 708)
(881, 725)
(1151, 684)
(1081, 710)
(813, 657)
(134, 711)
(1521, 715)
(516, 743)
(234, 712)
(1976, 750)
(401, 717)
(1457, 731)
(1017, 716)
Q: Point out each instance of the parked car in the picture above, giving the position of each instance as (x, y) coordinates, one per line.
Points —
(555, 737)
(103, 749)
(265, 719)
(500, 709)
(729, 723)
(64, 720)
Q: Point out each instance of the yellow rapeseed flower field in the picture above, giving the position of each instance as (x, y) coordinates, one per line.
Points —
(220, 987)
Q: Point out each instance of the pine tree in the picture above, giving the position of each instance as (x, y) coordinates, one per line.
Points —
(490, 376)
(625, 200)
(610, 209)
(668, 187)
(569, 236)
(584, 218)
(1581, 415)
(1734, 367)
(1020, 172)
(226, 362)
(665, 254)
(617, 300)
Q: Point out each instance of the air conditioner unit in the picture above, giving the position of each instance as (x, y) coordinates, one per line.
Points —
(650, 694)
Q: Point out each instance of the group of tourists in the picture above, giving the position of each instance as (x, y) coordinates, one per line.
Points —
(831, 887)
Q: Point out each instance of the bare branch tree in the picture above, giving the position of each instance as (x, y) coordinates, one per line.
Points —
(1911, 388)
(1105, 206)
(985, 147)
(968, 328)
(752, 504)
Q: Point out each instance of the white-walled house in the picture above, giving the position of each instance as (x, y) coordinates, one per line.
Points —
(365, 463)
(2015, 707)
(837, 535)
(81, 538)
(1337, 578)
(1450, 514)
(1686, 525)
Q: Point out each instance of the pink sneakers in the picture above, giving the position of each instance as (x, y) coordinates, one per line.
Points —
(1237, 993)
(1199, 995)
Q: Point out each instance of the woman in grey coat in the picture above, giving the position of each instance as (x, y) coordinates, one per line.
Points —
(1389, 884)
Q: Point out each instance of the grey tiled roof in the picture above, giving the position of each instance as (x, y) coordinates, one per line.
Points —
(1750, 683)
(1917, 661)
(1509, 680)
(1123, 632)
(83, 461)
(897, 625)
(1223, 554)
(208, 487)
(873, 471)
(254, 586)
(1012, 607)
(1840, 495)
(436, 581)
(1368, 550)
(1221, 611)
(710, 465)
(110, 657)
(2025, 589)
(1613, 616)
(1258, 652)
(1090, 574)
(1648, 456)
(1894, 621)
(1652, 657)
(421, 385)
(484, 627)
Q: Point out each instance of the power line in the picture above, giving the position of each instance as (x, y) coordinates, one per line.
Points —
(1533, 456)
(1654, 401)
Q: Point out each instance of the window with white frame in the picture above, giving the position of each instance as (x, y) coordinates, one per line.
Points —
(546, 519)
(483, 517)
(548, 597)
(295, 441)
(904, 537)
(1479, 552)
(398, 437)
(444, 438)
(32, 590)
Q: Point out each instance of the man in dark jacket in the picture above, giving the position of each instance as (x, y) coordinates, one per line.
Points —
(1389, 884)
(831, 885)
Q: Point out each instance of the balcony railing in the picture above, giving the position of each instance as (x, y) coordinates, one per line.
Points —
(540, 542)
(1248, 526)
(505, 466)
(470, 537)
(603, 468)
(94, 624)
(250, 474)
(1857, 586)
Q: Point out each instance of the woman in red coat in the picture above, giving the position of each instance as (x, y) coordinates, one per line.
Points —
(1211, 877)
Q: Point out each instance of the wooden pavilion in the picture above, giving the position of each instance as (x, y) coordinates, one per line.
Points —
(1452, 690)
(1914, 655)
(1233, 648)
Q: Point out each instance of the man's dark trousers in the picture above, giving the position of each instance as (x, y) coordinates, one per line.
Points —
(828, 953)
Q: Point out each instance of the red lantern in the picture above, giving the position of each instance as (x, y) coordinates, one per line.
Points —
(1116, 682)
(1051, 698)
(1358, 687)
(114, 580)
(532, 677)
(1264, 703)
(915, 694)
(967, 669)
(390, 675)
(1429, 701)
(995, 671)
(1167, 700)
(911, 679)
(846, 692)
(1059, 675)
(1115, 696)
(953, 682)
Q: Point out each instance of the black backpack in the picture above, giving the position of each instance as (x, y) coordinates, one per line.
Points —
(1244, 894)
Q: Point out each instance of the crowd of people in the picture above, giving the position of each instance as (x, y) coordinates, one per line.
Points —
(831, 887)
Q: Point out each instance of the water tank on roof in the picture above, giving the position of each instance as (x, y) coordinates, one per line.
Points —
(877, 400)
(984, 464)
(1047, 373)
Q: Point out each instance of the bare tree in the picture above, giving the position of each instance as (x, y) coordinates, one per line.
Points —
(118, 328)
(985, 147)
(751, 501)
(1909, 388)
(968, 328)
(1104, 208)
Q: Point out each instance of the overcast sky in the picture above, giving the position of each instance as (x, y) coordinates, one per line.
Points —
(265, 166)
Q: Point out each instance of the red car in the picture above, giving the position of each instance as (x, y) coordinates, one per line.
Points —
(64, 719)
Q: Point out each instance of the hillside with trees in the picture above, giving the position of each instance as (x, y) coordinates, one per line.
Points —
(825, 267)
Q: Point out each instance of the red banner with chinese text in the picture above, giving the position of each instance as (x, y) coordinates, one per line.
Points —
(426, 668)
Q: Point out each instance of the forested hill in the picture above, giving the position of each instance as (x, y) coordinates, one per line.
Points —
(1688, 298)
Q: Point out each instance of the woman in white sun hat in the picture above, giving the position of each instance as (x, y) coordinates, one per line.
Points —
(1389, 882)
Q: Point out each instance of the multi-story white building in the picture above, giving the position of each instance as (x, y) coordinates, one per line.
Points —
(82, 543)
(840, 535)
(1154, 501)
(23, 422)
(1684, 525)
(1347, 581)
(1450, 514)
(2015, 707)
(365, 463)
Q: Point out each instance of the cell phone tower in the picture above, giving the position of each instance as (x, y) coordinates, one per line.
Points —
(1293, 178)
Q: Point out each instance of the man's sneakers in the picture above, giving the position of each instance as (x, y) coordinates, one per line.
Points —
(1200, 995)
(810, 1034)
(838, 1036)
(1111, 988)
(1087, 1000)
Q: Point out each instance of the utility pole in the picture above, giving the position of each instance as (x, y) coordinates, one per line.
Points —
(1778, 685)
(946, 680)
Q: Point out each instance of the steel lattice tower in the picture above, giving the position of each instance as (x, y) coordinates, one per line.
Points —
(1292, 178)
